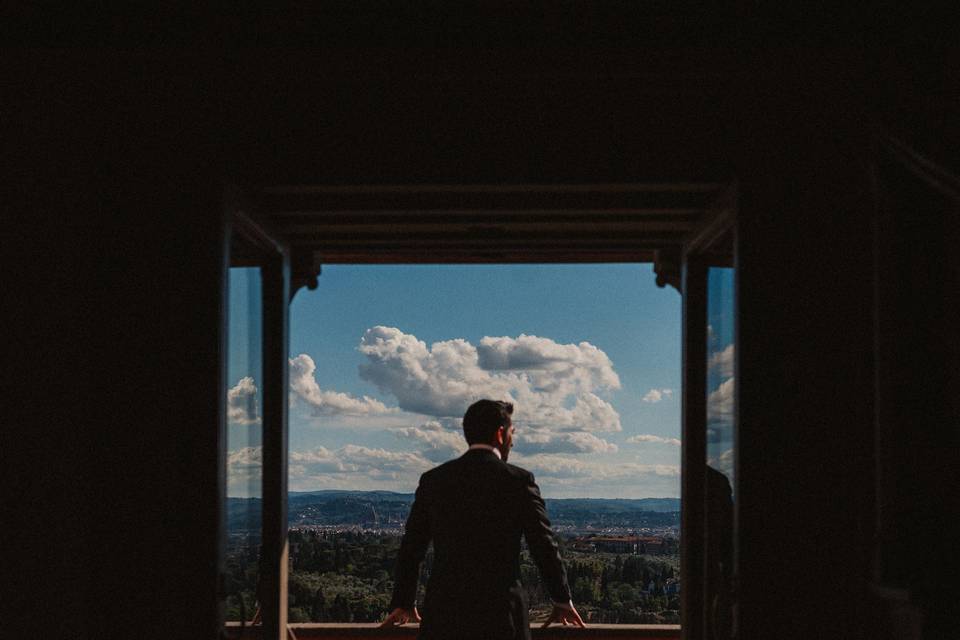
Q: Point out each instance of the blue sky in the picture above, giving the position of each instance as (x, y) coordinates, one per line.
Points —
(384, 359)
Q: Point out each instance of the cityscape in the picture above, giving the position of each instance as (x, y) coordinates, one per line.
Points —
(621, 557)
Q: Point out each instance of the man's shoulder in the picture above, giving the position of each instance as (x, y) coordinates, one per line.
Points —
(519, 472)
(443, 470)
(455, 466)
(439, 470)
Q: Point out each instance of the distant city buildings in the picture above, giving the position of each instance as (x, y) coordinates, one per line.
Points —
(632, 544)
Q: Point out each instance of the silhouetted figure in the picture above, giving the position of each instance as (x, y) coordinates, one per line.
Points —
(719, 556)
(475, 509)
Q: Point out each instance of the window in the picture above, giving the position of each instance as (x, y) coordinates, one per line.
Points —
(720, 464)
(627, 223)
(244, 465)
(254, 469)
(710, 431)
(385, 360)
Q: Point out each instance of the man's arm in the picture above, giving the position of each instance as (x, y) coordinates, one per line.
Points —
(413, 547)
(543, 547)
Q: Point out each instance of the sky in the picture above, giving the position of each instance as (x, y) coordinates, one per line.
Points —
(384, 360)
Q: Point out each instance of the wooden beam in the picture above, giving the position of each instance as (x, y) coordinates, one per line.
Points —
(616, 187)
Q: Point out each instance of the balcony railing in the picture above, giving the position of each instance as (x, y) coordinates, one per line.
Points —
(338, 631)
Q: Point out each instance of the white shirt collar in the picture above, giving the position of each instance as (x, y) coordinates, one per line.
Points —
(488, 447)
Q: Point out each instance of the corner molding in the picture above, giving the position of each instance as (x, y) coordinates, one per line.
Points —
(667, 266)
(305, 268)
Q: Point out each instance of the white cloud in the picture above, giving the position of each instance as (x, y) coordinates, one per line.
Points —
(244, 472)
(438, 443)
(245, 459)
(328, 403)
(720, 403)
(242, 407)
(646, 437)
(356, 467)
(586, 477)
(553, 466)
(364, 468)
(656, 395)
(723, 462)
(722, 361)
(553, 386)
(555, 366)
(354, 460)
(541, 441)
(564, 466)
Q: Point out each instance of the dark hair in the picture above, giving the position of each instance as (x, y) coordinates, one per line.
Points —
(483, 418)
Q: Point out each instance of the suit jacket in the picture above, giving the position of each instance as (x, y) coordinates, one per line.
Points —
(475, 509)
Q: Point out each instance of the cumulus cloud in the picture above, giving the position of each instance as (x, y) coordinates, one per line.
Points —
(646, 437)
(723, 462)
(568, 367)
(550, 466)
(565, 466)
(242, 407)
(553, 386)
(720, 403)
(656, 395)
(245, 459)
(356, 467)
(328, 403)
(437, 443)
(541, 441)
(354, 458)
(722, 361)
(244, 472)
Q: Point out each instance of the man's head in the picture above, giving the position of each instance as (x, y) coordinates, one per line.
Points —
(488, 422)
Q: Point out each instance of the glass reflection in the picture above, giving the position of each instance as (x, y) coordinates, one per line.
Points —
(720, 371)
(721, 415)
(244, 440)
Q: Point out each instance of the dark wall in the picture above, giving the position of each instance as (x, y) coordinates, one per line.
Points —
(118, 295)
(116, 265)
(847, 346)
(918, 435)
(520, 115)
(805, 338)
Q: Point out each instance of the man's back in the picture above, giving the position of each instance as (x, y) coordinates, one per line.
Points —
(474, 509)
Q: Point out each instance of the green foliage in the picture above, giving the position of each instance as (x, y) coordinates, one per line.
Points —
(348, 577)
(343, 577)
(609, 588)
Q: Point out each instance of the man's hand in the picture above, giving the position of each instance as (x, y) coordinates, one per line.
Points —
(401, 616)
(565, 613)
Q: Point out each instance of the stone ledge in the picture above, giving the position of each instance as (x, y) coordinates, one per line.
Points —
(338, 631)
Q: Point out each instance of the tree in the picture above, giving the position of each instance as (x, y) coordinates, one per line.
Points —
(586, 590)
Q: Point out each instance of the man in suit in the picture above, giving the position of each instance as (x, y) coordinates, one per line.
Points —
(475, 509)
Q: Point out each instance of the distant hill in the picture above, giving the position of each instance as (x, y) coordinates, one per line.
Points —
(615, 505)
(346, 507)
(243, 514)
(614, 512)
(304, 497)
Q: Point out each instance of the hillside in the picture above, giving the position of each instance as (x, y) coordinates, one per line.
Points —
(386, 508)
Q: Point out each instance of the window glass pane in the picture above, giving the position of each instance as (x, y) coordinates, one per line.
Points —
(720, 371)
(244, 439)
(384, 361)
(721, 451)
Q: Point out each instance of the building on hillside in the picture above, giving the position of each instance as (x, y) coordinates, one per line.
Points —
(634, 544)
